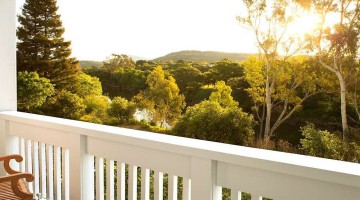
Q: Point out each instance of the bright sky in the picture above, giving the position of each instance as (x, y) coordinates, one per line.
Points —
(152, 28)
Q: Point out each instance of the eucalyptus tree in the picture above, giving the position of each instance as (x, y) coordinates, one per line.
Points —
(336, 43)
(270, 23)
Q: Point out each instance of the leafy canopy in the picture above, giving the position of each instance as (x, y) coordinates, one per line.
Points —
(32, 90)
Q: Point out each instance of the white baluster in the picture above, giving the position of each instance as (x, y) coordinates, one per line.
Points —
(132, 187)
(22, 153)
(28, 159)
(99, 178)
(65, 174)
(145, 184)
(235, 194)
(172, 187)
(42, 170)
(35, 153)
(158, 185)
(109, 179)
(50, 171)
(121, 180)
(57, 171)
(256, 196)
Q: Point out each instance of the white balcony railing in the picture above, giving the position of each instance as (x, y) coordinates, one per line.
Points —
(61, 154)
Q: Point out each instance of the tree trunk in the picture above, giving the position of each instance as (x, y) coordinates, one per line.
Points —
(344, 122)
(268, 110)
(261, 129)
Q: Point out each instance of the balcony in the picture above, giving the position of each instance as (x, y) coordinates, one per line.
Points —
(67, 157)
(61, 154)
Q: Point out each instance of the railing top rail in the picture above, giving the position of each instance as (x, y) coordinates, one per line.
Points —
(299, 165)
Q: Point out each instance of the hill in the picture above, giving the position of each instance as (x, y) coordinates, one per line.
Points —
(90, 63)
(200, 56)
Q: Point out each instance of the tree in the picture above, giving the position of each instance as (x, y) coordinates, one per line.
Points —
(353, 93)
(224, 70)
(41, 47)
(126, 83)
(65, 105)
(269, 22)
(188, 78)
(208, 120)
(117, 63)
(87, 85)
(327, 145)
(321, 143)
(222, 95)
(336, 44)
(122, 109)
(217, 119)
(97, 106)
(292, 83)
(162, 97)
(32, 90)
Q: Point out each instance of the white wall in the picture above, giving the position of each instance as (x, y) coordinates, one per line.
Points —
(7, 70)
(7, 55)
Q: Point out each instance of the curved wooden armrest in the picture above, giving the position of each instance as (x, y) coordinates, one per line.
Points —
(16, 184)
(7, 160)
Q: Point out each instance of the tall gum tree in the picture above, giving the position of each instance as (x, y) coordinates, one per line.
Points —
(41, 47)
(336, 42)
(269, 22)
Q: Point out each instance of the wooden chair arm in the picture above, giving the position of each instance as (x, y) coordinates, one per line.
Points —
(7, 160)
(17, 185)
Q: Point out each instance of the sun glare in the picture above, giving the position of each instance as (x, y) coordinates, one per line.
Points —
(304, 24)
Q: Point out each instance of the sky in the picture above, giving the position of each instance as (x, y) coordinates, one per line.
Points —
(152, 28)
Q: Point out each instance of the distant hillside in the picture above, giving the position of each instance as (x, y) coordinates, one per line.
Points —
(136, 58)
(199, 56)
(90, 63)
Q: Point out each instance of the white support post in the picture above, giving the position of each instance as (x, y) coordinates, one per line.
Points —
(203, 180)
(8, 145)
(87, 179)
(81, 169)
(186, 189)
(8, 72)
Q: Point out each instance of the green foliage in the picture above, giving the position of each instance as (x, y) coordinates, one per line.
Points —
(118, 63)
(32, 91)
(327, 145)
(87, 86)
(126, 83)
(222, 95)
(121, 109)
(162, 97)
(91, 118)
(238, 86)
(321, 143)
(224, 70)
(41, 47)
(65, 105)
(188, 78)
(291, 83)
(209, 121)
(97, 106)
